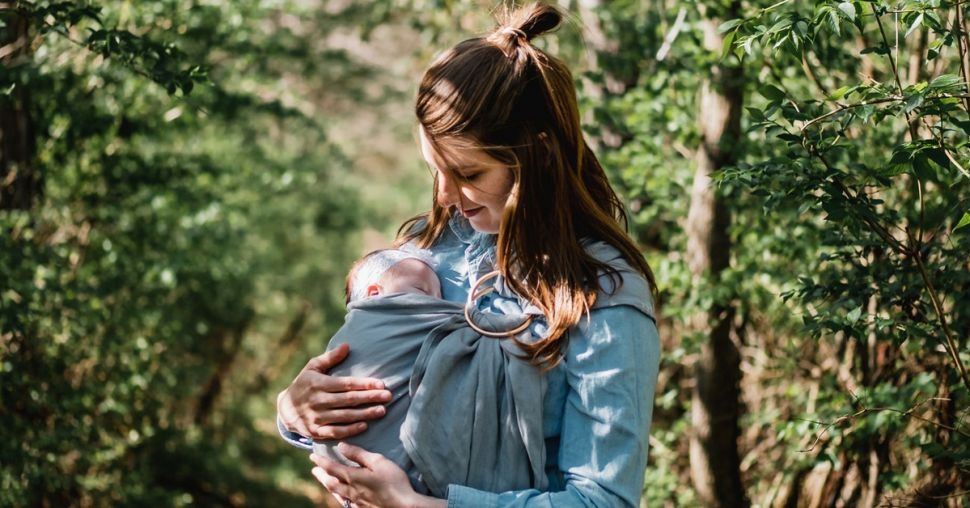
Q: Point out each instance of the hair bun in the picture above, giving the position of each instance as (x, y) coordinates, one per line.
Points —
(529, 21)
(513, 32)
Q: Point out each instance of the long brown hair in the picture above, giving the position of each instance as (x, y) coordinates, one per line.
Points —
(518, 103)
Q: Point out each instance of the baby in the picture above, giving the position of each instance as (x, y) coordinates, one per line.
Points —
(382, 273)
(442, 426)
(390, 271)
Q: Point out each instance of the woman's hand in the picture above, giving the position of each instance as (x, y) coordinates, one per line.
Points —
(321, 406)
(378, 482)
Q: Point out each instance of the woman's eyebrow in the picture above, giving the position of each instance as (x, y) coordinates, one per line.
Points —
(459, 167)
(462, 170)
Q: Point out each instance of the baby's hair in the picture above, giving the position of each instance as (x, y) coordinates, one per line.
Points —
(349, 283)
(371, 266)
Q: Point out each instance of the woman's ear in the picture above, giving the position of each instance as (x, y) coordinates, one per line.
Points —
(373, 289)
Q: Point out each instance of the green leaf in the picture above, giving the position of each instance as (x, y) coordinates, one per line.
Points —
(772, 92)
(881, 49)
(963, 222)
(854, 315)
(938, 155)
(912, 102)
(916, 24)
(755, 114)
(728, 44)
(848, 10)
(865, 113)
(833, 23)
(945, 81)
(841, 93)
(728, 25)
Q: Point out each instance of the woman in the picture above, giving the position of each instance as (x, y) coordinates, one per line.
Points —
(519, 191)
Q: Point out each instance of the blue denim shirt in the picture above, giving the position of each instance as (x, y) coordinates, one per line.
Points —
(599, 400)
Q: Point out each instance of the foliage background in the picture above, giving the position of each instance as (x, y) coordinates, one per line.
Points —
(194, 176)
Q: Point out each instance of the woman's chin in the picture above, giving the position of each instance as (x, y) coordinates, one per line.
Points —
(488, 229)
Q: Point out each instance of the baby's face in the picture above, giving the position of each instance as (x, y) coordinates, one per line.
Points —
(410, 276)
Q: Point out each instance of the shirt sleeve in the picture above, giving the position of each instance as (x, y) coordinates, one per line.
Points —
(611, 363)
(297, 440)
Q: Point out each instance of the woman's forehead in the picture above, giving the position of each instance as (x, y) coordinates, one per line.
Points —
(454, 153)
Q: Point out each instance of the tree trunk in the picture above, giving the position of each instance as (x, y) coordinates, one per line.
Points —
(228, 341)
(20, 185)
(715, 409)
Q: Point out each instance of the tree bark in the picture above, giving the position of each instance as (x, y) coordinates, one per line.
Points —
(715, 409)
(20, 184)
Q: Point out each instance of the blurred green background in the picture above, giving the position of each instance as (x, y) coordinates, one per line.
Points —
(183, 184)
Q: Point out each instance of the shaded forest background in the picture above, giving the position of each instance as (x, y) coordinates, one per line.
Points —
(183, 184)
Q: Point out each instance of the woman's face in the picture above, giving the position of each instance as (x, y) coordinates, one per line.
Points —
(471, 181)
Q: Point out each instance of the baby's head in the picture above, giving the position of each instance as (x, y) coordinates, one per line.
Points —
(388, 271)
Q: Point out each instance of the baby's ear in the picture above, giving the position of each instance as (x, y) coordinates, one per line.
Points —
(373, 290)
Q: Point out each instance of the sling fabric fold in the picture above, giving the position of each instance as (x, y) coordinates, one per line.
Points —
(466, 409)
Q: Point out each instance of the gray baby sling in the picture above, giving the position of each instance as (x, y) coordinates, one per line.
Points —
(466, 407)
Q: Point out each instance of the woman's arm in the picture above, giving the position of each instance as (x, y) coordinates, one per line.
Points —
(317, 405)
(611, 366)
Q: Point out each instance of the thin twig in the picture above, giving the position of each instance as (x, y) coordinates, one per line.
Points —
(826, 426)
(960, 23)
(810, 72)
(941, 317)
(876, 102)
(846, 107)
(892, 63)
(953, 160)
(922, 213)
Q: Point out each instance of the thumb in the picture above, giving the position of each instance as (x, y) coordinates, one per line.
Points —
(359, 455)
(326, 361)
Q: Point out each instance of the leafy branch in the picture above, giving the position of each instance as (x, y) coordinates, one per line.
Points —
(913, 253)
(908, 413)
(159, 62)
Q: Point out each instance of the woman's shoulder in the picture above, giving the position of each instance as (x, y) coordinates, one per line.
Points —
(623, 284)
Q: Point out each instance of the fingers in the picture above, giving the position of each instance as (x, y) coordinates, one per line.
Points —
(359, 455)
(322, 406)
(344, 407)
(378, 482)
(326, 361)
(337, 431)
(334, 476)
(336, 422)
(323, 363)
(330, 483)
(341, 384)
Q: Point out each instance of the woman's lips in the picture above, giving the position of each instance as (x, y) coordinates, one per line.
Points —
(471, 213)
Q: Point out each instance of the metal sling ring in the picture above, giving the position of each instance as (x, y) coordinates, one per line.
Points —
(474, 294)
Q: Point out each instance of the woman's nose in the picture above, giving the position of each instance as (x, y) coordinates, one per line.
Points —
(447, 191)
